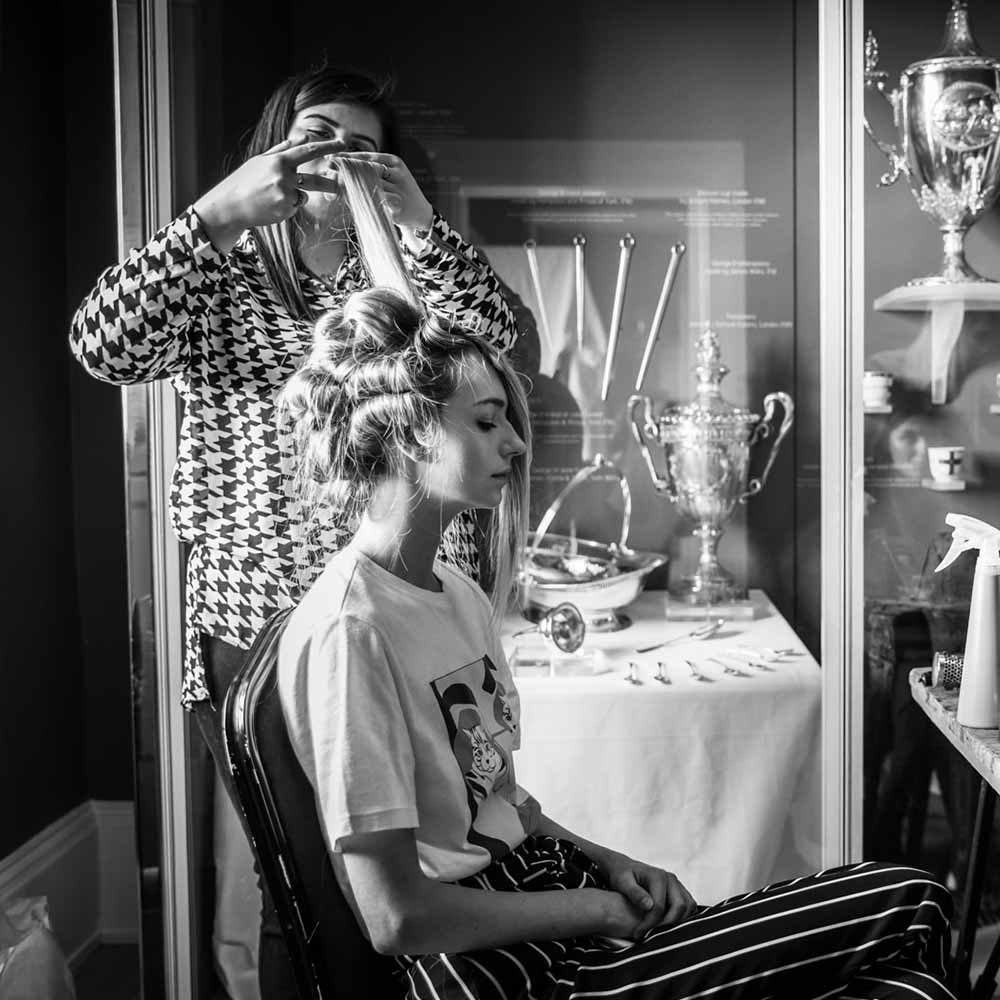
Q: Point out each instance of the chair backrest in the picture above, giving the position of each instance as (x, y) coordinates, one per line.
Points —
(329, 954)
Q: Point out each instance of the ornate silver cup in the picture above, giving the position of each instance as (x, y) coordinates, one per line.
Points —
(947, 113)
(707, 443)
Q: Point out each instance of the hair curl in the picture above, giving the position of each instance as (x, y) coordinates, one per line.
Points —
(372, 389)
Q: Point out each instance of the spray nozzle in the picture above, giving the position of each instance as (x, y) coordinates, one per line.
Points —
(971, 533)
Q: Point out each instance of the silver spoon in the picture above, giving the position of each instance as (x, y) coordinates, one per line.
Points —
(705, 631)
(750, 657)
(698, 675)
(729, 669)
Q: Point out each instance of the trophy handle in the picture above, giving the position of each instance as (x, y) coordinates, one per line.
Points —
(875, 79)
(649, 428)
(594, 465)
(763, 429)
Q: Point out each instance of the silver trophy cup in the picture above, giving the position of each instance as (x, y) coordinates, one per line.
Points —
(707, 445)
(947, 114)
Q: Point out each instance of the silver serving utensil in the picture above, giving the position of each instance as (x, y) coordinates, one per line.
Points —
(676, 252)
(767, 652)
(698, 675)
(750, 657)
(705, 631)
(729, 668)
(626, 244)
(579, 242)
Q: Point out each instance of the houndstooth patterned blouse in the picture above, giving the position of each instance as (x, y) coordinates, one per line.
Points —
(180, 308)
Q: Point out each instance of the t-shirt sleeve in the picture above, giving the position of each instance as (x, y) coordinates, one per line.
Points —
(348, 727)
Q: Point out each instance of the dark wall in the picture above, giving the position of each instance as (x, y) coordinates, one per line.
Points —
(64, 714)
(42, 739)
(97, 462)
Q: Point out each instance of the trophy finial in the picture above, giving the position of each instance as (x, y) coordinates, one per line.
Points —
(709, 368)
(958, 39)
(871, 52)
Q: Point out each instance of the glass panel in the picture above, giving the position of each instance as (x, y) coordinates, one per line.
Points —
(131, 231)
(536, 128)
(932, 417)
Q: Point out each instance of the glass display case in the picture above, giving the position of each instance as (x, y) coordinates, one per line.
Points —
(931, 436)
(685, 213)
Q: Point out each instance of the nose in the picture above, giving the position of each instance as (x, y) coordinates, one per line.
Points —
(514, 445)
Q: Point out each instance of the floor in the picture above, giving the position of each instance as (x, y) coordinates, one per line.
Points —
(110, 972)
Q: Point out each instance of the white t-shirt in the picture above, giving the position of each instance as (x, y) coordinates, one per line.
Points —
(403, 713)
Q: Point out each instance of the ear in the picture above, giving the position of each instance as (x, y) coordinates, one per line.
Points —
(414, 456)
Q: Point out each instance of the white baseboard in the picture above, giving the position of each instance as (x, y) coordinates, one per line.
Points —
(84, 864)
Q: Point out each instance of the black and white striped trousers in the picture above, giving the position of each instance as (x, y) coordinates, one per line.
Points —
(862, 931)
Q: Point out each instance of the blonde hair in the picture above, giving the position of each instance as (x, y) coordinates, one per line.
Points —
(373, 387)
(376, 241)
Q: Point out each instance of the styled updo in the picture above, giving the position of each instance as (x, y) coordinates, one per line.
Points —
(371, 390)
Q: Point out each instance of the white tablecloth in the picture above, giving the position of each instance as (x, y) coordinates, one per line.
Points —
(718, 782)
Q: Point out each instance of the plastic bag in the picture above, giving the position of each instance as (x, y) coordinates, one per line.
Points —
(32, 965)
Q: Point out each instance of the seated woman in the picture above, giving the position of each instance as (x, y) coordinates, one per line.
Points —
(403, 712)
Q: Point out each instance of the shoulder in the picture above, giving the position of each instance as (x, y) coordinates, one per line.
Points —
(338, 612)
(462, 587)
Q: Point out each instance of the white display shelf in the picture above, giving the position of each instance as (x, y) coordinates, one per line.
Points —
(882, 408)
(946, 306)
(944, 485)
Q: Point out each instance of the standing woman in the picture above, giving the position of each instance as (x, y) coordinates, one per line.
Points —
(222, 302)
(404, 716)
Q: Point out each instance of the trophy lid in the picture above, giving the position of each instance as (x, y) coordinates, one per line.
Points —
(708, 407)
(958, 40)
(959, 47)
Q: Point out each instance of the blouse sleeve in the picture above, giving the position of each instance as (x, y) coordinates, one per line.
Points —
(456, 282)
(133, 326)
(347, 725)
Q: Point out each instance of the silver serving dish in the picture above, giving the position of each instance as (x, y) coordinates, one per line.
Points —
(600, 578)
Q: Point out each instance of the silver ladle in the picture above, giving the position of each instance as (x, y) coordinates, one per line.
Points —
(705, 631)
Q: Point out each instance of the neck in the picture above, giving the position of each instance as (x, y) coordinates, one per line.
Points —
(322, 247)
(402, 533)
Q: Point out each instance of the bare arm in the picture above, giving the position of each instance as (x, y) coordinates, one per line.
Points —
(404, 912)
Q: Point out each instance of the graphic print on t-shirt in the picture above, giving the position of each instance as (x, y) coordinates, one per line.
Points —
(481, 730)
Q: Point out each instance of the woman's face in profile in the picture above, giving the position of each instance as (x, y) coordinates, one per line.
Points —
(355, 128)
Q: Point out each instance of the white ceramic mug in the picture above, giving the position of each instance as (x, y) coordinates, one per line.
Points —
(946, 462)
(875, 388)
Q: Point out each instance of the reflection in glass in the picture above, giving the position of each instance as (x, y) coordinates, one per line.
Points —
(931, 447)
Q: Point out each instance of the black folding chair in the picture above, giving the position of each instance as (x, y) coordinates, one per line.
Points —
(330, 956)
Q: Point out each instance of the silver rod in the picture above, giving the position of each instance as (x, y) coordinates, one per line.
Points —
(579, 242)
(626, 244)
(676, 252)
(536, 280)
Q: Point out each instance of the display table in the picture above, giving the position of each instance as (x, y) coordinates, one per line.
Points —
(981, 750)
(717, 781)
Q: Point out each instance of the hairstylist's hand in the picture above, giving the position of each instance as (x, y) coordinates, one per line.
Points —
(404, 201)
(267, 188)
(658, 895)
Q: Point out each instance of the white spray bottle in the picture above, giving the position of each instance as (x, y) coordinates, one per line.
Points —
(979, 694)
